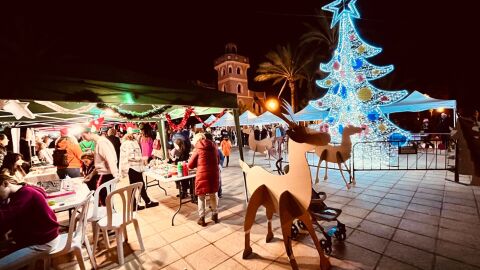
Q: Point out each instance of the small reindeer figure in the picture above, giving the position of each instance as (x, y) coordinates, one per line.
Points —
(338, 154)
(259, 146)
(288, 195)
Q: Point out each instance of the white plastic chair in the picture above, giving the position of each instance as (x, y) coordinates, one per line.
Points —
(118, 220)
(75, 238)
(98, 212)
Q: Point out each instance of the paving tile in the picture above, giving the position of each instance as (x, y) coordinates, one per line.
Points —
(460, 208)
(359, 257)
(418, 228)
(379, 188)
(410, 255)
(464, 239)
(460, 216)
(428, 196)
(213, 231)
(230, 264)
(415, 240)
(406, 187)
(376, 229)
(402, 192)
(394, 203)
(442, 263)
(347, 194)
(362, 204)
(423, 218)
(176, 232)
(393, 211)
(369, 198)
(458, 252)
(430, 190)
(387, 263)
(468, 195)
(338, 199)
(368, 241)
(375, 193)
(206, 258)
(189, 244)
(349, 220)
(259, 259)
(468, 228)
(178, 265)
(454, 200)
(398, 197)
(383, 219)
(427, 202)
(355, 211)
(232, 243)
(163, 256)
(424, 209)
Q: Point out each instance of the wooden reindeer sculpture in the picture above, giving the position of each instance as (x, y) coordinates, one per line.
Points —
(338, 154)
(288, 195)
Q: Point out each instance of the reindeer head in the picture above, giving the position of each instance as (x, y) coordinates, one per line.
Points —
(350, 130)
(296, 132)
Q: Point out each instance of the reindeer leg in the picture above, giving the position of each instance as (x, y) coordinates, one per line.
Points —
(324, 261)
(323, 156)
(288, 208)
(339, 162)
(270, 210)
(318, 169)
(352, 180)
(254, 203)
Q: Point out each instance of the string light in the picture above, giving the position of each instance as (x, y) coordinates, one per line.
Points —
(351, 99)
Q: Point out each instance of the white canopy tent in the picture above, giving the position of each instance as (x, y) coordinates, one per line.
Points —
(209, 119)
(417, 102)
(226, 120)
(310, 113)
(268, 118)
(247, 118)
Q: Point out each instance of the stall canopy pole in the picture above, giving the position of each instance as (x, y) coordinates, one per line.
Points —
(236, 117)
(163, 137)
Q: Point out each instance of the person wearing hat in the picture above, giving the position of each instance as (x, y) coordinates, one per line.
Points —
(105, 159)
(67, 145)
(131, 165)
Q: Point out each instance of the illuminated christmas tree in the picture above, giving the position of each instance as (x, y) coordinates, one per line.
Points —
(351, 99)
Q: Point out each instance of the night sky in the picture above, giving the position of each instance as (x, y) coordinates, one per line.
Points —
(177, 40)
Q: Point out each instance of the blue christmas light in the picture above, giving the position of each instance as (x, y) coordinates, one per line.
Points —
(341, 8)
(351, 99)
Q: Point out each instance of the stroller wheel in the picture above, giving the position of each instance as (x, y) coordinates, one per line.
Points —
(326, 246)
(301, 225)
(294, 231)
(340, 235)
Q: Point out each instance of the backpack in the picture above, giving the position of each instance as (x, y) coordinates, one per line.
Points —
(60, 157)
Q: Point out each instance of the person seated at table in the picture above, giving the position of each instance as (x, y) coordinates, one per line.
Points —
(43, 153)
(12, 166)
(24, 211)
(131, 165)
(88, 170)
(205, 159)
(179, 153)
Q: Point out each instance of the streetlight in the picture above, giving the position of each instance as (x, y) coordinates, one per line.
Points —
(272, 104)
(440, 110)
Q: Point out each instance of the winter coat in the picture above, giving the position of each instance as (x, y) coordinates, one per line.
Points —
(226, 146)
(205, 159)
(74, 153)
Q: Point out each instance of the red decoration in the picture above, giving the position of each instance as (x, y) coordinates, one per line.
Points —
(319, 103)
(336, 65)
(97, 123)
(218, 116)
(182, 123)
(384, 98)
(360, 78)
(352, 37)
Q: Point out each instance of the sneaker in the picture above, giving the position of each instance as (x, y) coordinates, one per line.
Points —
(201, 222)
(151, 204)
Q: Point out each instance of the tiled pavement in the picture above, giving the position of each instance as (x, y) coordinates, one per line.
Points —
(395, 220)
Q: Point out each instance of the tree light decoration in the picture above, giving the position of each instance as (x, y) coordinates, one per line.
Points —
(351, 99)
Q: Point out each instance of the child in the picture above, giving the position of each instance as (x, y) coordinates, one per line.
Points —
(226, 146)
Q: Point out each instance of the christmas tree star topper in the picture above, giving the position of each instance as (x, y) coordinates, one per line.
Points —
(340, 8)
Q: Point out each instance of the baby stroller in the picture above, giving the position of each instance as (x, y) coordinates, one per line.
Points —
(319, 211)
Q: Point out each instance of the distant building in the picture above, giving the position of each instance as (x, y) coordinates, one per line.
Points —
(232, 78)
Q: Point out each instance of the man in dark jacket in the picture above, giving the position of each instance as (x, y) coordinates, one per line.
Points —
(111, 136)
(205, 159)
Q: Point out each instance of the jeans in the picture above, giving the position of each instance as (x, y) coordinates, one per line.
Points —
(137, 177)
(71, 172)
(220, 181)
(201, 204)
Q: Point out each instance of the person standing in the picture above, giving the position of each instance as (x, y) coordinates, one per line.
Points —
(131, 165)
(205, 159)
(146, 143)
(221, 158)
(3, 147)
(111, 136)
(226, 146)
(105, 159)
(67, 156)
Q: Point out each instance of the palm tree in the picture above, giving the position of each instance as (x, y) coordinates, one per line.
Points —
(320, 37)
(283, 65)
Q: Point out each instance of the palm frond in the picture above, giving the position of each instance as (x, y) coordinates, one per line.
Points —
(288, 108)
